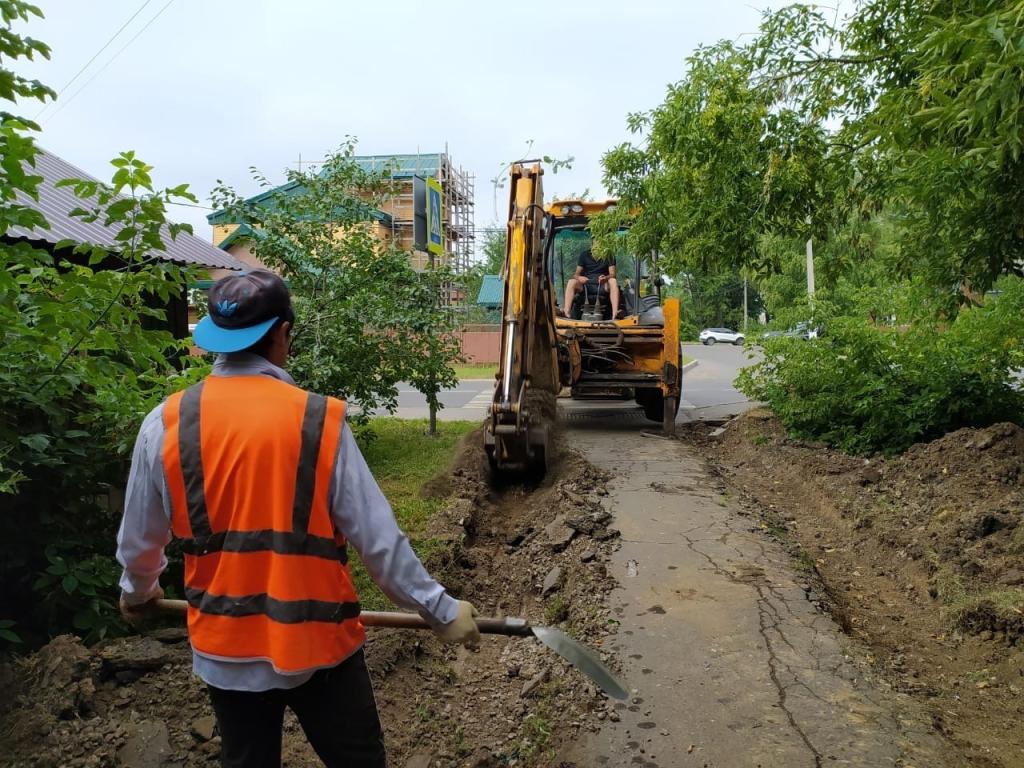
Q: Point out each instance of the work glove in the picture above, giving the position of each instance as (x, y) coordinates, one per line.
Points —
(136, 615)
(462, 629)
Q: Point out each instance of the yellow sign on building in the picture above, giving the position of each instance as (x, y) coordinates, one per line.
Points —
(435, 231)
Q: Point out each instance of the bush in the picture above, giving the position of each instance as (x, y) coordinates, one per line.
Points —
(867, 388)
(84, 359)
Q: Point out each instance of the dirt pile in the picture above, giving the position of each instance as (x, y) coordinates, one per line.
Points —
(536, 552)
(920, 556)
(533, 552)
(129, 702)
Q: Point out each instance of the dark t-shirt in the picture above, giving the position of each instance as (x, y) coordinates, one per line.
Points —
(593, 268)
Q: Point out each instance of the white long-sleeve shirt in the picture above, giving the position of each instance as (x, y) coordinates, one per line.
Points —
(358, 508)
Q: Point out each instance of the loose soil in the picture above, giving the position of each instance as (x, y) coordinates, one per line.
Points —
(536, 552)
(919, 557)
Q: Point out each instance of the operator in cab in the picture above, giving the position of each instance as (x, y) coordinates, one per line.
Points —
(595, 272)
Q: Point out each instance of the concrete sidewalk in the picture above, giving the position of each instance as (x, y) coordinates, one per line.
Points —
(730, 662)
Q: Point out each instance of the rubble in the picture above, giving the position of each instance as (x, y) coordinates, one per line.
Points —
(552, 582)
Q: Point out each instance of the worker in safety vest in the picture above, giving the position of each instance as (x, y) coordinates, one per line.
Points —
(264, 485)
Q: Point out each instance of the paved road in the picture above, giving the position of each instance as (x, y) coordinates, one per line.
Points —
(730, 664)
(468, 401)
(707, 393)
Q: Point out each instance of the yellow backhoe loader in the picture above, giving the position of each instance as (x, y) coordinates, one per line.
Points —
(546, 348)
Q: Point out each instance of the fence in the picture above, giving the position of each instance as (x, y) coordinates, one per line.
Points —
(480, 343)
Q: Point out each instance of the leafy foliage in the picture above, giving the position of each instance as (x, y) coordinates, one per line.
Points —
(868, 387)
(721, 166)
(817, 125)
(493, 251)
(709, 301)
(928, 101)
(893, 138)
(365, 319)
(82, 360)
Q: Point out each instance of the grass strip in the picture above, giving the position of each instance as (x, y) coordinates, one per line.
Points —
(403, 457)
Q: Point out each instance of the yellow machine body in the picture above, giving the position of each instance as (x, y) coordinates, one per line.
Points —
(544, 351)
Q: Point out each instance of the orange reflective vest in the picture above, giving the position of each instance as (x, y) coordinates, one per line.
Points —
(248, 462)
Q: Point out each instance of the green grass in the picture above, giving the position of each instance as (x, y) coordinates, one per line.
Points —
(556, 610)
(476, 371)
(403, 457)
(987, 609)
(687, 359)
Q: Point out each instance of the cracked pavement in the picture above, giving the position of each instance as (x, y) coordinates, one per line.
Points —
(729, 661)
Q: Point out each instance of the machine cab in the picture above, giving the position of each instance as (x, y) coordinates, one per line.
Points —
(634, 277)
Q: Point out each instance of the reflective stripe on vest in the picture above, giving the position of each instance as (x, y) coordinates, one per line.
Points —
(265, 572)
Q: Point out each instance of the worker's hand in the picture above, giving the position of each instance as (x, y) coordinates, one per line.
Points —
(601, 279)
(582, 279)
(462, 629)
(136, 615)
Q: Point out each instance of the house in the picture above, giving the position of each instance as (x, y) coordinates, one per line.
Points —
(396, 220)
(56, 204)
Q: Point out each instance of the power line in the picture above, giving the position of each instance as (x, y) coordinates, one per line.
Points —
(190, 205)
(95, 55)
(109, 62)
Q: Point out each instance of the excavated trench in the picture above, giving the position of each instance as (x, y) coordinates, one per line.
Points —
(539, 552)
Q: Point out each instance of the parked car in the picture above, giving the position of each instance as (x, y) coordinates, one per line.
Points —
(798, 331)
(724, 335)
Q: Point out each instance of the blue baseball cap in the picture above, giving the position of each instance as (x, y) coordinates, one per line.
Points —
(243, 308)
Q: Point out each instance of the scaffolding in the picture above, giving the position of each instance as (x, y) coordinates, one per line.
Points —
(457, 212)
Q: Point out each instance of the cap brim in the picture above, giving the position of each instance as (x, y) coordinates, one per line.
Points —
(213, 338)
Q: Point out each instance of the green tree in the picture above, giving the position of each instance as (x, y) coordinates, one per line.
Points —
(892, 138)
(720, 165)
(927, 100)
(710, 301)
(366, 319)
(80, 364)
(493, 260)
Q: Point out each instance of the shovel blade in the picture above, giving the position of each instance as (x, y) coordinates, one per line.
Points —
(583, 658)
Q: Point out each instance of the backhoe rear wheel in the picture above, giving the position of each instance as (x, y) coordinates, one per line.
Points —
(651, 400)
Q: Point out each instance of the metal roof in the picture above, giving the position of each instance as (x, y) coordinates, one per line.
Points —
(492, 291)
(290, 189)
(56, 204)
(402, 165)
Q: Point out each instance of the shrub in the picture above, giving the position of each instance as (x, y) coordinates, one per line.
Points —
(867, 388)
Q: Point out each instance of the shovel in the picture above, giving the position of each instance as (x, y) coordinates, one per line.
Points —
(570, 649)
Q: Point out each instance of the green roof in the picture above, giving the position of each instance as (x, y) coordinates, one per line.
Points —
(401, 166)
(492, 291)
(240, 232)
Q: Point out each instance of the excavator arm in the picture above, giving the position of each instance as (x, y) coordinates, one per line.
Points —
(523, 406)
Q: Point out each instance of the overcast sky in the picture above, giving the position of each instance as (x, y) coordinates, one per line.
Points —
(212, 87)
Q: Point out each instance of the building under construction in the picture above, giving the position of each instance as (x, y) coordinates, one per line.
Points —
(401, 218)
(457, 205)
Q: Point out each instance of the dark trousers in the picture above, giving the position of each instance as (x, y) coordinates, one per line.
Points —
(335, 708)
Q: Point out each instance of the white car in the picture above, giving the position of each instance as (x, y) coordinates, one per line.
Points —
(724, 335)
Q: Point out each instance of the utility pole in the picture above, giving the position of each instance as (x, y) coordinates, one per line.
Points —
(810, 268)
(744, 303)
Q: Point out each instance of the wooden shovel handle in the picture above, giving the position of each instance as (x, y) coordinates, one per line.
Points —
(487, 625)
